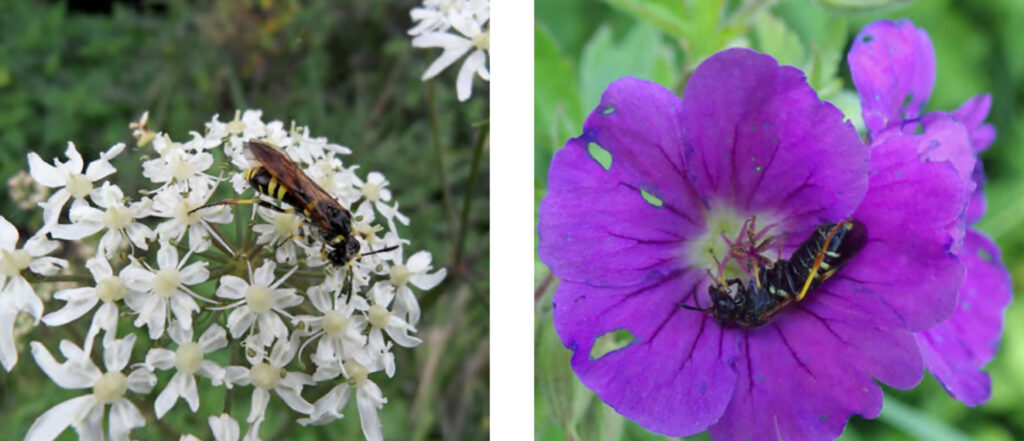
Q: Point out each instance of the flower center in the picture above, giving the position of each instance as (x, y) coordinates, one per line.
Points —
(181, 213)
(236, 127)
(188, 358)
(110, 387)
(117, 217)
(727, 241)
(334, 323)
(357, 373)
(166, 282)
(371, 192)
(379, 316)
(286, 225)
(111, 289)
(181, 168)
(265, 376)
(259, 298)
(78, 185)
(399, 275)
(483, 40)
(13, 262)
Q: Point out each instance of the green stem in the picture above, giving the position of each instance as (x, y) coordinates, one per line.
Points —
(435, 126)
(468, 198)
(32, 278)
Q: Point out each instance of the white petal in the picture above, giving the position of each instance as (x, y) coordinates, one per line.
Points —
(224, 428)
(260, 398)
(67, 375)
(232, 287)
(167, 256)
(191, 393)
(178, 333)
(368, 417)
(8, 235)
(406, 304)
(213, 339)
(99, 169)
(212, 371)
(71, 310)
(265, 274)
(236, 375)
(271, 327)
(99, 268)
(240, 320)
(183, 307)
(53, 207)
(75, 162)
(139, 234)
(464, 82)
(141, 381)
(76, 294)
(8, 349)
(45, 174)
(160, 358)
(77, 231)
(138, 278)
(124, 417)
(116, 355)
(294, 400)
(400, 337)
(90, 427)
(419, 262)
(165, 401)
(24, 297)
(56, 420)
(428, 281)
(195, 273)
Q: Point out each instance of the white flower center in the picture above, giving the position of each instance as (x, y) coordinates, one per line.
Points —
(181, 213)
(399, 275)
(111, 289)
(286, 225)
(13, 262)
(483, 40)
(335, 323)
(708, 249)
(259, 298)
(166, 282)
(371, 192)
(379, 316)
(188, 358)
(265, 376)
(181, 168)
(357, 373)
(117, 217)
(78, 185)
(110, 387)
(236, 127)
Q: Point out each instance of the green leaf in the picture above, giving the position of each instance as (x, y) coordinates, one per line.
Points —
(863, 7)
(668, 15)
(917, 424)
(776, 39)
(555, 378)
(604, 60)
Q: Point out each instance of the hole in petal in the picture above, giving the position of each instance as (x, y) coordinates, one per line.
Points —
(908, 99)
(610, 342)
(600, 155)
(651, 199)
(985, 255)
(608, 110)
(867, 38)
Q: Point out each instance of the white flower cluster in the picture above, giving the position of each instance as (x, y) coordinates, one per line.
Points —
(269, 285)
(435, 20)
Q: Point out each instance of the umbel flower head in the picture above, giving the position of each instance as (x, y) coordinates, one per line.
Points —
(435, 19)
(204, 280)
(893, 67)
(751, 144)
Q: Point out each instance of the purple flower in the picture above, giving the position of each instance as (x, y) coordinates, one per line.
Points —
(893, 67)
(633, 242)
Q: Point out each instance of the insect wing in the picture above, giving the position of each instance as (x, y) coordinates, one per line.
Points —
(300, 186)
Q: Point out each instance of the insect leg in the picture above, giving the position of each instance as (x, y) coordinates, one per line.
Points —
(259, 202)
(696, 301)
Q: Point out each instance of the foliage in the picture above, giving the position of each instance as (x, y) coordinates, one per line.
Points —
(348, 70)
(580, 47)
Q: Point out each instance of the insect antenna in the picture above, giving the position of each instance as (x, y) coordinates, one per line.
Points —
(382, 250)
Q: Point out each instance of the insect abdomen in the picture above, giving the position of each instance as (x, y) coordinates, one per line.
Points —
(265, 183)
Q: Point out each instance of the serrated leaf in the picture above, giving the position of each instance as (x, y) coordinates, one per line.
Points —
(604, 60)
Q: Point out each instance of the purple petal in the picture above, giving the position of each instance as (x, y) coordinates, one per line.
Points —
(913, 213)
(758, 137)
(976, 207)
(893, 68)
(804, 375)
(973, 113)
(595, 225)
(955, 350)
(677, 374)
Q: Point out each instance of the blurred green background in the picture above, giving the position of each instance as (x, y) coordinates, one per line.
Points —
(583, 45)
(81, 71)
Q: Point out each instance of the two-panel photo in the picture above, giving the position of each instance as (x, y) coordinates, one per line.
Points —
(751, 220)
